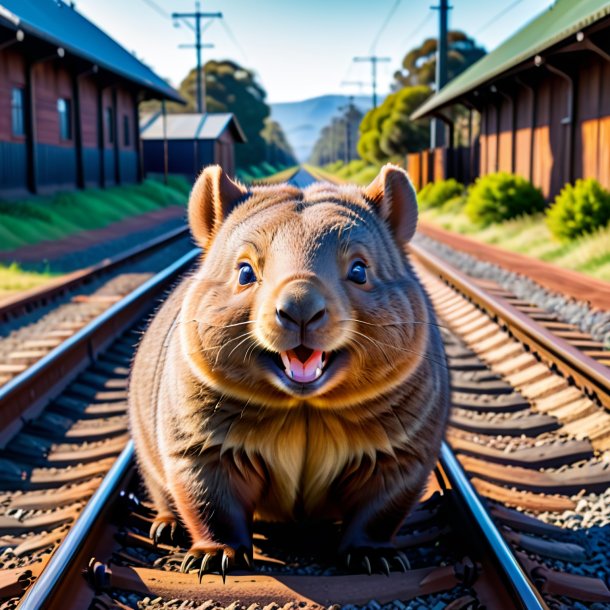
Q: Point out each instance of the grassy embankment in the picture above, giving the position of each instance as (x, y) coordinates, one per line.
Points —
(529, 235)
(281, 176)
(260, 173)
(31, 221)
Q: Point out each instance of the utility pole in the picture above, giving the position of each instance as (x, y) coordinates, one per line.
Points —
(437, 129)
(374, 60)
(198, 16)
(347, 119)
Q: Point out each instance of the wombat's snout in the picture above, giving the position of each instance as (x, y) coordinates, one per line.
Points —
(301, 306)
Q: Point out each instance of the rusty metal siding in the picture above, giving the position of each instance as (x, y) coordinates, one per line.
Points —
(604, 128)
(13, 168)
(91, 166)
(491, 113)
(108, 139)
(13, 152)
(524, 109)
(88, 111)
(505, 143)
(12, 74)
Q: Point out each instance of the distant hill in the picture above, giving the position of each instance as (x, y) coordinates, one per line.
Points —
(303, 121)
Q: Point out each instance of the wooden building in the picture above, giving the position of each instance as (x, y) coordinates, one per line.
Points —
(544, 102)
(69, 99)
(184, 143)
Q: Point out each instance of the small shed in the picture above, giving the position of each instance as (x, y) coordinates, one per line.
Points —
(184, 143)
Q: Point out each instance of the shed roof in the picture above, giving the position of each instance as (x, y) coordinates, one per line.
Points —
(59, 23)
(208, 126)
(554, 25)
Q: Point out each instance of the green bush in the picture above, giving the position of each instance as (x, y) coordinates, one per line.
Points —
(353, 167)
(455, 204)
(333, 167)
(578, 209)
(435, 194)
(502, 196)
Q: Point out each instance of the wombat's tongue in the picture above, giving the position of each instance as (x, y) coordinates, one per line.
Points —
(303, 364)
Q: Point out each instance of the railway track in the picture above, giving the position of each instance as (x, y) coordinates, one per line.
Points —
(516, 515)
(38, 321)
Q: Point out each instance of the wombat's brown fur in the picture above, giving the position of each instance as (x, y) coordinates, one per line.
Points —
(297, 374)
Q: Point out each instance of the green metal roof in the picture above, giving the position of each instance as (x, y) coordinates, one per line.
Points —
(563, 19)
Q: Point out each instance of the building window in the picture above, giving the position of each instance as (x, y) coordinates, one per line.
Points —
(17, 112)
(110, 125)
(64, 109)
(126, 133)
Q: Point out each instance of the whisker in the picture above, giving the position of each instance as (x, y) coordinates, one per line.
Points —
(379, 344)
(240, 343)
(392, 323)
(374, 342)
(225, 326)
(206, 349)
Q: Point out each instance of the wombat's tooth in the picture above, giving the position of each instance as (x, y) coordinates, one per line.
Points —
(318, 372)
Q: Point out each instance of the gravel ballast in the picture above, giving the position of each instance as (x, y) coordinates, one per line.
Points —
(593, 321)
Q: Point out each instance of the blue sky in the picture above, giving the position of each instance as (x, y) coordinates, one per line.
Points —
(300, 49)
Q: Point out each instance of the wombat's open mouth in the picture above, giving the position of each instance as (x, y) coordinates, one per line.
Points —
(303, 364)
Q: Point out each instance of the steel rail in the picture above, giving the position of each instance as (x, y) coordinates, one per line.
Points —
(521, 588)
(588, 375)
(24, 394)
(13, 307)
(64, 561)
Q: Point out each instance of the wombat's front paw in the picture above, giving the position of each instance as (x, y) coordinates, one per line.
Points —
(219, 558)
(375, 559)
(164, 523)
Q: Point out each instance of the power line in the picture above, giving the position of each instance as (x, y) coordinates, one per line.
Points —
(496, 17)
(161, 11)
(198, 16)
(234, 39)
(417, 29)
(158, 9)
(374, 60)
(384, 25)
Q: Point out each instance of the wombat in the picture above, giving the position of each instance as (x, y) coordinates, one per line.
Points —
(297, 374)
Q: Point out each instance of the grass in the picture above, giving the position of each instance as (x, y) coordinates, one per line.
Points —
(529, 235)
(279, 177)
(260, 173)
(14, 279)
(30, 221)
(357, 172)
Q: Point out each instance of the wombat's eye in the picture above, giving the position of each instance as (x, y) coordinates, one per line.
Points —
(246, 274)
(357, 273)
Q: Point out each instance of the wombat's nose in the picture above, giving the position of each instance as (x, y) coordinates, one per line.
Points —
(300, 306)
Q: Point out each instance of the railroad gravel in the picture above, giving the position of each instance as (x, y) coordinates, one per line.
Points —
(119, 283)
(436, 601)
(590, 320)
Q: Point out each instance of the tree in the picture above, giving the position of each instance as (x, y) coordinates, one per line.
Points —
(279, 151)
(231, 88)
(419, 64)
(337, 141)
(387, 132)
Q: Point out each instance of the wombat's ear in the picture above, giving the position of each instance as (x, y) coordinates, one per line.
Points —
(392, 193)
(212, 198)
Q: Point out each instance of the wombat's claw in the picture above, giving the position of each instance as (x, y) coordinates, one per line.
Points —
(372, 560)
(160, 525)
(219, 559)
